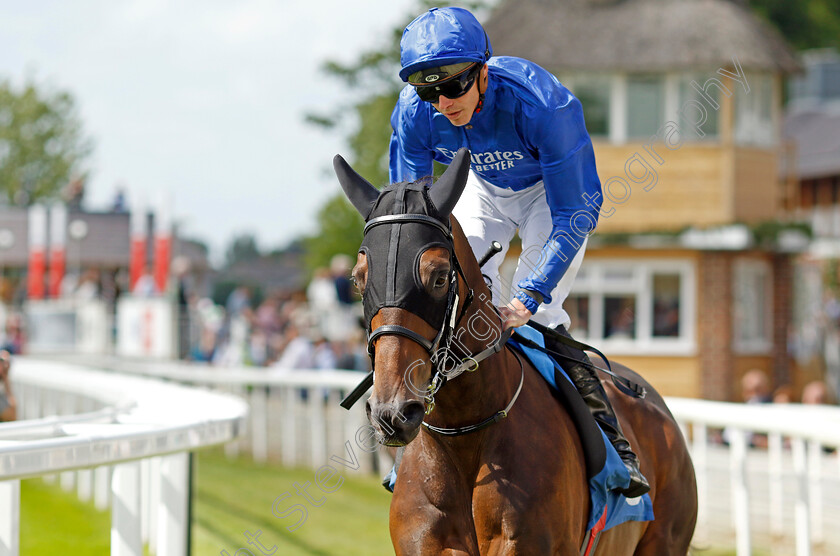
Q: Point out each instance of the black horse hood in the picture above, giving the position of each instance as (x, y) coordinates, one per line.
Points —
(393, 254)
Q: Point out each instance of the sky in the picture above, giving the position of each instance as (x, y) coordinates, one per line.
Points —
(202, 102)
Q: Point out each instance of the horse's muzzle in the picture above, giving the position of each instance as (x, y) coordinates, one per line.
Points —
(396, 426)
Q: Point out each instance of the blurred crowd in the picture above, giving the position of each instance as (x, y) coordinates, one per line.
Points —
(756, 389)
(317, 328)
(8, 403)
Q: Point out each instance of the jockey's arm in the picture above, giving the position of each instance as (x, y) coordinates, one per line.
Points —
(409, 158)
(573, 194)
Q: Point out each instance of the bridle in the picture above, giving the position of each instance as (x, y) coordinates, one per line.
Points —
(442, 343)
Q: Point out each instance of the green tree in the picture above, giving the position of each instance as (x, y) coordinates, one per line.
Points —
(375, 75)
(339, 232)
(42, 146)
(804, 23)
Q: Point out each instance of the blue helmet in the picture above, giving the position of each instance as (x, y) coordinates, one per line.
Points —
(440, 37)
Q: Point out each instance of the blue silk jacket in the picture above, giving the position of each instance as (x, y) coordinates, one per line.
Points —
(529, 129)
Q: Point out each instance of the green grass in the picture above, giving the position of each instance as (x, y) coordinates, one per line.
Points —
(232, 497)
(55, 522)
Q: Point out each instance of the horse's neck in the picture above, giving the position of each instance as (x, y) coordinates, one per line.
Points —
(473, 396)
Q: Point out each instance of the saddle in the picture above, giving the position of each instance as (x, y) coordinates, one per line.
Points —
(550, 365)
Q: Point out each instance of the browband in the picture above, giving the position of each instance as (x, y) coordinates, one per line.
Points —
(407, 218)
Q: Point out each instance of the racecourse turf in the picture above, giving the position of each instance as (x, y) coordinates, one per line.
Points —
(55, 522)
(232, 497)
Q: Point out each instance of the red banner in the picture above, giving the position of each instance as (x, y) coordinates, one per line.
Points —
(37, 269)
(163, 254)
(37, 224)
(137, 260)
(58, 266)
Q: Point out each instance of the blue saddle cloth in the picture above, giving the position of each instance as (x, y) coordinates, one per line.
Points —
(602, 487)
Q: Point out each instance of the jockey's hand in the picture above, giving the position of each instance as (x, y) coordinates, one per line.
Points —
(515, 314)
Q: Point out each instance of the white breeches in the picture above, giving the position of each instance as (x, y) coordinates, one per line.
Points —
(488, 213)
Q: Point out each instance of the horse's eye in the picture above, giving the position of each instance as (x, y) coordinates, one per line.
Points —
(441, 281)
(359, 287)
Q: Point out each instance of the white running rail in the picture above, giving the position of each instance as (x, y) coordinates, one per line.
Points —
(777, 481)
(295, 417)
(118, 439)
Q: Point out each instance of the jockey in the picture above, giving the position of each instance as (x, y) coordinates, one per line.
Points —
(532, 169)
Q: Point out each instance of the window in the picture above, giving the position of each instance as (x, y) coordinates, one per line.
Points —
(754, 111)
(619, 317)
(690, 114)
(645, 105)
(635, 306)
(666, 305)
(752, 306)
(594, 95)
(578, 308)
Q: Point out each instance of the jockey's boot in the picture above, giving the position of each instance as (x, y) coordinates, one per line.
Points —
(582, 372)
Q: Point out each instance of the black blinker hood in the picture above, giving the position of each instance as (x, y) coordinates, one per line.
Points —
(393, 251)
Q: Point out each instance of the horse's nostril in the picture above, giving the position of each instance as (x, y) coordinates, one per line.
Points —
(412, 413)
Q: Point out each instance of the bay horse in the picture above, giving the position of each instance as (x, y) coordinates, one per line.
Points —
(492, 462)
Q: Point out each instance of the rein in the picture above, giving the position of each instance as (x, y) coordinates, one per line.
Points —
(493, 419)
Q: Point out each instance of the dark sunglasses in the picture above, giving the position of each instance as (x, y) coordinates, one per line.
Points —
(454, 87)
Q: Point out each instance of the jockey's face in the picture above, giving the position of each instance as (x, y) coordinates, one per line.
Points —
(460, 110)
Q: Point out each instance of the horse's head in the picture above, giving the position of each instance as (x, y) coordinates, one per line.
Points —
(407, 273)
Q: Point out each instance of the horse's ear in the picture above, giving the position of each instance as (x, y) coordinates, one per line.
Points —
(447, 190)
(360, 192)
